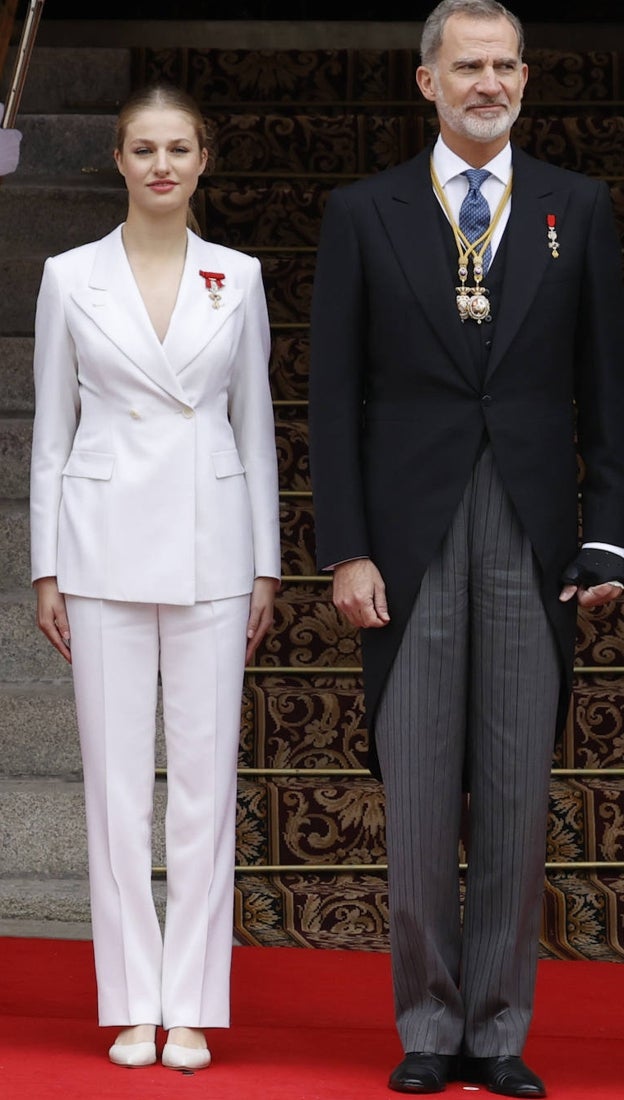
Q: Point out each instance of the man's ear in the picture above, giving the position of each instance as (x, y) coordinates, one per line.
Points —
(426, 82)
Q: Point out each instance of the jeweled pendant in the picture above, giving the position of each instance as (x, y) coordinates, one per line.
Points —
(473, 304)
(479, 308)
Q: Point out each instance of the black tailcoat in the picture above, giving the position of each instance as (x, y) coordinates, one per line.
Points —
(399, 405)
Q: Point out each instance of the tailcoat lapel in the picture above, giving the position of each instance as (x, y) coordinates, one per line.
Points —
(411, 218)
(527, 256)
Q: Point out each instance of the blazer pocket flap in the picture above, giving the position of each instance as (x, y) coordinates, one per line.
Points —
(227, 463)
(95, 464)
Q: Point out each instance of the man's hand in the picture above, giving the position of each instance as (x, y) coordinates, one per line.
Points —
(360, 593)
(591, 597)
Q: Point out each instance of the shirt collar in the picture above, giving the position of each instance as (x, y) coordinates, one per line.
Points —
(448, 165)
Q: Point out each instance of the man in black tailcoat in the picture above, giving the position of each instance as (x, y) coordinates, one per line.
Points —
(457, 356)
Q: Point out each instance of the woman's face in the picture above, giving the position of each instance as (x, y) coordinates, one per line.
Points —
(160, 160)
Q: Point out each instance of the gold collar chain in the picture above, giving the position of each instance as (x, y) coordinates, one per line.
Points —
(472, 301)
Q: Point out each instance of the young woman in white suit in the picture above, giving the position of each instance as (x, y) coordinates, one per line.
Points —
(155, 547)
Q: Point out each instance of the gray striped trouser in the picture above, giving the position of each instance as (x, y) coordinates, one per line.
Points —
(475, 684)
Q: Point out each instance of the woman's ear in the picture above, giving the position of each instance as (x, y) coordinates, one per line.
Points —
(117, 159)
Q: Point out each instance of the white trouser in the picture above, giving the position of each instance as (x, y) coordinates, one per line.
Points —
(181, 979)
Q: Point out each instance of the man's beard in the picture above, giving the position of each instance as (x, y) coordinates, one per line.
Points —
(471, 124)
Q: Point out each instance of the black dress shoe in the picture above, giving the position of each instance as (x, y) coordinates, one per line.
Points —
(423, 1072)
(507, 1075)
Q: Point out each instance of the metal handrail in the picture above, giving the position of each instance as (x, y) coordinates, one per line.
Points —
(22, 60)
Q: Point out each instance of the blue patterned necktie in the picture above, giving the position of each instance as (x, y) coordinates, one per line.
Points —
(474, 214)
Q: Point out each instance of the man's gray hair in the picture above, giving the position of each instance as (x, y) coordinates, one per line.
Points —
(477, 9)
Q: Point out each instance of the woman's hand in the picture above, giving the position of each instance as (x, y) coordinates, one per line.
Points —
(260, 612)
(52, 616)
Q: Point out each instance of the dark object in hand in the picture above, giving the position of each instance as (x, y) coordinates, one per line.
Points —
(591, 567)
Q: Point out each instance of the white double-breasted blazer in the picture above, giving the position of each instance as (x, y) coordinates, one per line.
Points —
(154, 472)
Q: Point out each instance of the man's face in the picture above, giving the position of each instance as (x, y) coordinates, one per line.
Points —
(477, 80)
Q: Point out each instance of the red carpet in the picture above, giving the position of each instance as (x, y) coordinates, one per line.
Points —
(307, 1025)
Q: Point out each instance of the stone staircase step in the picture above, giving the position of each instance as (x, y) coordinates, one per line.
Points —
(65, 79)
(16, 382)
(14, 544)
(31, 845)
(65, 143)
(39, 735)
(39, 731)
(46, 898)
(15, 444)
(20, 278)
(58, 217)
(50, 899)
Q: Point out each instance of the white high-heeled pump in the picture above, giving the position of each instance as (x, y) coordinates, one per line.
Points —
(133, 1055)
(188, 1058)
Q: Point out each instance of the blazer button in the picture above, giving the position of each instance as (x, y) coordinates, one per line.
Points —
(486, 399)
(187, 411)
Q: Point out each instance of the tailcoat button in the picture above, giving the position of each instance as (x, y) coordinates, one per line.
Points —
(486, 399)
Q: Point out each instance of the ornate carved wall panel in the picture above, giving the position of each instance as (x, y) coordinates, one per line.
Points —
(321, 77)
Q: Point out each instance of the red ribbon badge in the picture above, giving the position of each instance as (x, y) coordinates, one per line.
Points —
(209, 276)
(553, 242)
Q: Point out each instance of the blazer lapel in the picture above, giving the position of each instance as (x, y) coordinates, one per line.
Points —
(113, 302)
(527, 254)
(412, 221)
(195, 321)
